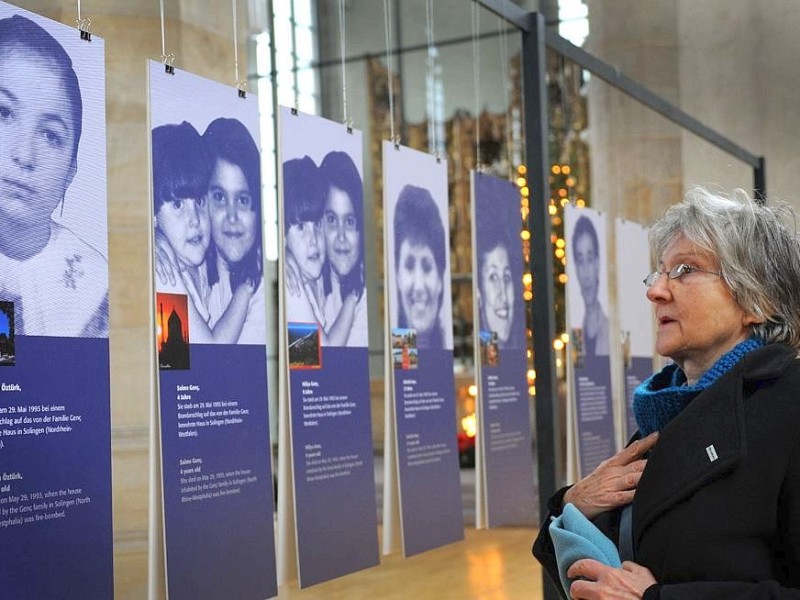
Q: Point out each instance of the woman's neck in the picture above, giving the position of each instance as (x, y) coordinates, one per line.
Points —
(22, 243)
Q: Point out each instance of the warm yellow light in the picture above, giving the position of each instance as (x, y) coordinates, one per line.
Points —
(521, 182)
(562, 278)
(570, 181)
(525, 202)
(556, 221)
(531, 375)
(580, 203)
(562, 193)
(525, 234)
(524, 212)
(565, 337)
(522, 169)
(559, 253)
(552, 209)
(527, 279)
(559, 362)
(525, 191)
(532, 390)
(558, 344)
(470, 425)
(530, 353)
(565, 169)
(472, 390)
(556, 169)
(564, 260)
(560, 243)
(564, 202)
(527, 295)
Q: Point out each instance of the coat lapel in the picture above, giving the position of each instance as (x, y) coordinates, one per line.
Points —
(705, 440)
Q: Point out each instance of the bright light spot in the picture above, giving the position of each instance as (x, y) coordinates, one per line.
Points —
(558, 344)
(531, 375)
(470, 425)
(527, 278)
(559, 253)
(525, 234)
(556, 169)
(532, 390)
(565, 337)
(562, 278)
(552, 209)
(472, 390)
(580, 203)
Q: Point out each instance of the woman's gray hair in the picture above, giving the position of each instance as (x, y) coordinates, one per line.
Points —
(758, 252)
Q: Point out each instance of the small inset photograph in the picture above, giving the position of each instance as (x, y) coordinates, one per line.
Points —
(490, 350)
(304, 346)
(404, 348)
(578, 347)
(7, 352)
(172, 331)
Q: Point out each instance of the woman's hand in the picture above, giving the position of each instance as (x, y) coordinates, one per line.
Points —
(599, 581)
(613, 483)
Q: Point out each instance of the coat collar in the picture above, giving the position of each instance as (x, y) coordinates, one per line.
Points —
(706, 439)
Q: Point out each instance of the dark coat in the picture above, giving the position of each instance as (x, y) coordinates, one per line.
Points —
(717, 510)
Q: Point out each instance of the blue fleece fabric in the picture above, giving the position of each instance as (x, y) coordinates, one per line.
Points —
(576, 537)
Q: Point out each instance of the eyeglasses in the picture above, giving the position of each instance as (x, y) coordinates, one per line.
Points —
(676, 272)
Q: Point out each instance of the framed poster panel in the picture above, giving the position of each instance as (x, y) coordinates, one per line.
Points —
(635, 312)
(417, 266)
(504, 423)
(211, 332)
(55, 433)
(589, 342)
(325, 307)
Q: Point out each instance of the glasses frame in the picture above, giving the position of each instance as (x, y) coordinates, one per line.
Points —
(676, 272)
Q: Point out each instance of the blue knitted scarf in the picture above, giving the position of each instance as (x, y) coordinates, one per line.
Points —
(665, 394)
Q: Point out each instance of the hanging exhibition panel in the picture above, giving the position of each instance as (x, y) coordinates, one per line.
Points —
(589, 345)
(55, 431)
(325, 302)
(635, 312)
(504, 424)
(417, 266)
(211, 335)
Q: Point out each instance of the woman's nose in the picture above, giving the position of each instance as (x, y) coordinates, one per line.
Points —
(231, 212)
(23, 152)
(660, 290)
(194, 214)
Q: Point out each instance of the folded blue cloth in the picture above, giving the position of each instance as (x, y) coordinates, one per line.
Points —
(576, 537)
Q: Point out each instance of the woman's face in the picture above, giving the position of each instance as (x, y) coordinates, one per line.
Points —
(184, 223)
(497, 292)
(419, 285)
(342, 237)
(37, 137)
(587, 265)
(698, 318)
(304, 241)
(233, 216)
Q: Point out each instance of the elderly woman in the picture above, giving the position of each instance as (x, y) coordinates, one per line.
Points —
(419, 255)
(706, 502)
(59, 284)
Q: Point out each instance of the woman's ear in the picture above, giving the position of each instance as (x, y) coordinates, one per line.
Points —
(749, 319)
